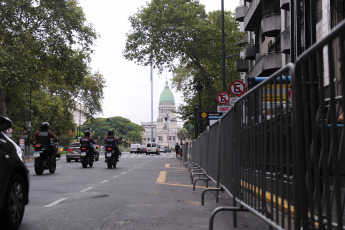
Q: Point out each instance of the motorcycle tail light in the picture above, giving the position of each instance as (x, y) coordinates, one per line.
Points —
(83, 148)
(69, 150)
(109, 148)
(37, 146)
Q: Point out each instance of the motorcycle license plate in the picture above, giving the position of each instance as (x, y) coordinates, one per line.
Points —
(83, 154)
(37, 154)
(108, 154)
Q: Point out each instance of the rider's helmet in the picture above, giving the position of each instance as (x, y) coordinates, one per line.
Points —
(87, 133)
(110, 132)
(44, 126)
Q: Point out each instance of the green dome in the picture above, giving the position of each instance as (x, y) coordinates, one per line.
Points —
(166, 95)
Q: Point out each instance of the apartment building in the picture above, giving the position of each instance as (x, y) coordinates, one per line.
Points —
(278, 31)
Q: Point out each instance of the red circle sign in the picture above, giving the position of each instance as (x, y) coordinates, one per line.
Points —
(237, 88)
(223, 98)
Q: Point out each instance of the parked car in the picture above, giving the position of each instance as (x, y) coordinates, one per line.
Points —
(141, 149)
(162, 149)
(152, 148)
(167, 149)
(133, 148)
(14, 180)
(73, 152)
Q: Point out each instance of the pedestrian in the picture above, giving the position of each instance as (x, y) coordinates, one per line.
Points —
(177, 148)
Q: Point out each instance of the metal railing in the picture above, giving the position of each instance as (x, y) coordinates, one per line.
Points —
(280, 151)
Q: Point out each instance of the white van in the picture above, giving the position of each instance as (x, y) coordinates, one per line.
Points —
(134, 148)
(152, 148)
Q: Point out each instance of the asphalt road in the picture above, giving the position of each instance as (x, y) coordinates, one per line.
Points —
(143, 192)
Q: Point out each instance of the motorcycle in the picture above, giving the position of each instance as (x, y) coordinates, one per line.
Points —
(111, 157)
(86, 158)
(44, 160)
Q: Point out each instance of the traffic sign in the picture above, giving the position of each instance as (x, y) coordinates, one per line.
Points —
(223, 98)
(237, 88)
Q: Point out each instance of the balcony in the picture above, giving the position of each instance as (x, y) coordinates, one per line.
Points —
(285, 4)
(249, 52)
(240, 12)
(242, 65)
(270, 25)
(253, 17)
(266, 65)
(244, 40)
(285, 42)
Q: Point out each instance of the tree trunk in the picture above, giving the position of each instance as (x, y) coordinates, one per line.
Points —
(3, 107)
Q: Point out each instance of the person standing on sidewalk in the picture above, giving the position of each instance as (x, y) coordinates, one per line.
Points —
(177, 148)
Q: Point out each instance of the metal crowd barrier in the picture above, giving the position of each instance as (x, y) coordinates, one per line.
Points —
(279, 151)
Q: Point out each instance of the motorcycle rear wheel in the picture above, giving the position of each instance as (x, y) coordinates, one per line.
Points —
(38, 167)
(109, 164)
(91, 164)
(84, 163)
(52, 167)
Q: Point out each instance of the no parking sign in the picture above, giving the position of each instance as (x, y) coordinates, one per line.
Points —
(237, 88)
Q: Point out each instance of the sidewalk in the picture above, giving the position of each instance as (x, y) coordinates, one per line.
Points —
(195, 216)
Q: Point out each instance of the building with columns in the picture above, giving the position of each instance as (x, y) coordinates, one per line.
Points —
(165, 129)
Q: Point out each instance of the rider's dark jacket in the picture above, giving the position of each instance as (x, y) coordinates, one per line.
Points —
(111, 140)
(86, 141)
(43, 137)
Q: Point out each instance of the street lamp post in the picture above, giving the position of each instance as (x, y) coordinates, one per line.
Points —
(223, 49)
(166, 117)
(199, 88)
(196, 119)
(151, 78)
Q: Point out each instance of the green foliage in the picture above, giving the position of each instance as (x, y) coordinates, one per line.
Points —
(123, 128)
(180, 35)
(182, 134)
(45, 51)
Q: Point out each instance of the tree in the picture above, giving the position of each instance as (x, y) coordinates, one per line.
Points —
(182, 134)
(122, 127)
(181, 36)
(45, 51)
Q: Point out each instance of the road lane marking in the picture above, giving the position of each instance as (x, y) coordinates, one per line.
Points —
(55, 203)
(102, 182)
(124, 173)
(162, 177)
(115, 176)
(167, 165)
(84, 190)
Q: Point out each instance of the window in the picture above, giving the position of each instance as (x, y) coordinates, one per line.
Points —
(160, 138)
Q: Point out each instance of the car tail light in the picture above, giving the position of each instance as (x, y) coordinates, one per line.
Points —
(145, 149)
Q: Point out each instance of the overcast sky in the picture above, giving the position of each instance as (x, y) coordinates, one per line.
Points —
(128, 87)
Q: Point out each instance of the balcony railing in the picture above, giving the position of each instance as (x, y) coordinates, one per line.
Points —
(240, 12)
(270, 25)
(285, 41)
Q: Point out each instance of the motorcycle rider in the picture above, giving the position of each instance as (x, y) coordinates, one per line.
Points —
(43, 137)
(112, 141)
(86, 141)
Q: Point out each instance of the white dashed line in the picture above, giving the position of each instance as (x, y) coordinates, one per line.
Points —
(102, 182)
(55, 203)
(84, 190)
(124, 173)
(115, 176)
